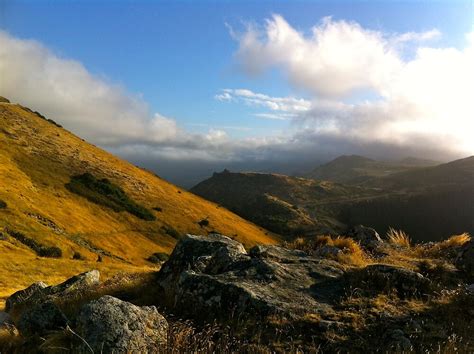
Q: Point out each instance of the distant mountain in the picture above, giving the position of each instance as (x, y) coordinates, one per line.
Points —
(430, 203)
(356, 169)
(63, 198)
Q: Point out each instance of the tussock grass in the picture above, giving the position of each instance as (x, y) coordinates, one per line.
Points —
(351, 253)
(398, 238)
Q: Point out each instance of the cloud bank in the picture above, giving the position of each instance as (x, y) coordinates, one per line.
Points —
(365, 87)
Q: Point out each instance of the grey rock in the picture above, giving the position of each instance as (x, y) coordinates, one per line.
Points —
(214, 277)
(41, 318)
(77, 283)
(386, 278)
(328, 252)
(465, 259)
(366, 236)
(112, 325)
(4, 318)
(24, 295)
(470, 289)
(399, 341)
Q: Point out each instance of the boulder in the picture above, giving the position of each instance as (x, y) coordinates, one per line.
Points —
(381, 278)
(4, 318)
(24, 295)
(39, 292)
(112, 325)
(41, 318)
(209, 277)
(465, 259)
(366, 236)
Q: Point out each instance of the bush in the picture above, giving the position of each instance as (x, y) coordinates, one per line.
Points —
(106, 193)
(170, 231)
(157, 209)
(158, 257)
(3, 205)
(203, 222)
(78, 256)
(398, 238)
(39, 249)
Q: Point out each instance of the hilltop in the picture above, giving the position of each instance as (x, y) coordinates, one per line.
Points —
(403, 200)
(63, 198)
(355, 169)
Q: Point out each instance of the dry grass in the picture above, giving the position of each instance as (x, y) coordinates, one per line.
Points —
(351, 254)
(37, 159)
(398, 238)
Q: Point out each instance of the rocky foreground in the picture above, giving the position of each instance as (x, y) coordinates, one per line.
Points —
(355, 294)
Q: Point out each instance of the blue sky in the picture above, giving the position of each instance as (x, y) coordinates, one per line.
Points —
(178, 55)
(195, 83)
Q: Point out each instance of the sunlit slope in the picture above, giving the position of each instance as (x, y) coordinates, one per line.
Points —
(37, 159)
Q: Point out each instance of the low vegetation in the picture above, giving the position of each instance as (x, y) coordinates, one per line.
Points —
(3, 204)
(158, 257)
(398, 238)
(40, 250)
(104, 192)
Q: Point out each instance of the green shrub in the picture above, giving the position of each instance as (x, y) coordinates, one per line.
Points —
(3, 205)
(77, 256)
(203, 223)
(38, 248)
(170, 231)
(106, 193)
(158, 257)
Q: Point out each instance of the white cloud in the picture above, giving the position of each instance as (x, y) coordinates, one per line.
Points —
(282, 107)
(428, 98)
(65, 91)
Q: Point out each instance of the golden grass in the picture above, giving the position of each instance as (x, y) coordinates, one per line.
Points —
(398, 238)
(351, 254)
(37, 159)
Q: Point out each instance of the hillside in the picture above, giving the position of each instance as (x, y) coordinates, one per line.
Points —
(419, 201)
(356, 169)
(58, 191)
(289, 206)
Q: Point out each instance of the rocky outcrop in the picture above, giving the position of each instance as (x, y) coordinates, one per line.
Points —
(213, 276)
(366, 236)
(40, 292)
(111, 325)
(24, 295)
(465, 260)
(4, 100)
(41, 318)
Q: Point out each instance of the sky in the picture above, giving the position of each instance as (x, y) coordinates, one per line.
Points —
(188, 87)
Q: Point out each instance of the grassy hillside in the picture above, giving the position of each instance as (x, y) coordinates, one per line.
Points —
(40, 199)
(429, 203)
(356, 169)
(290, 206)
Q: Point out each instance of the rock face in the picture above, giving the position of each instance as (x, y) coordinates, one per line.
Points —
(42, 318)
(213, 276)
(24, 295)
(366, 236)
(465, 260)
(40, 292)
(112, 325)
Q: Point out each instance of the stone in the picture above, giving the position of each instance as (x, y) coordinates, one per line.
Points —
(213, 277)
(465, 259)
(41, 318)
(24, 295)
(386, 279)
(399, 341)
(112, 325)
(77, 283)
(366, 236)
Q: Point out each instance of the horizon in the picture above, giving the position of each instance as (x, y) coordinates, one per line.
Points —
(185, 89)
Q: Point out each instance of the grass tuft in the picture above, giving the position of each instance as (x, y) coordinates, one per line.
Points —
(398, 238)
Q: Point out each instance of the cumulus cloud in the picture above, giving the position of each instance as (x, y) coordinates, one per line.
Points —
(66, 91)
(363, 87)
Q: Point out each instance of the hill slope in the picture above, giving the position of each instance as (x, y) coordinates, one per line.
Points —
(356, 169)
(290, 206)
(38, 212)
(429, 203)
